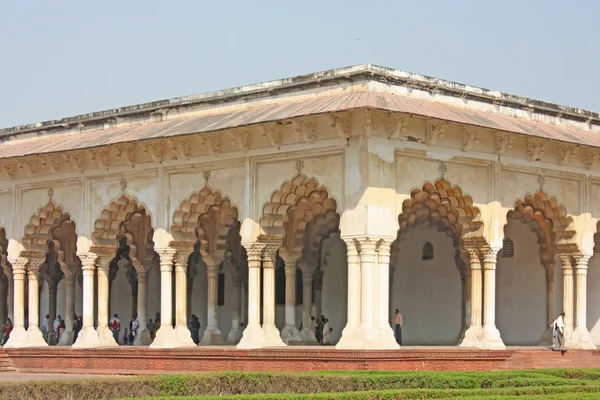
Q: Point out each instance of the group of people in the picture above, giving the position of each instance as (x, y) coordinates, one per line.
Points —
(129, 334)
(52, 335)
(322, 329)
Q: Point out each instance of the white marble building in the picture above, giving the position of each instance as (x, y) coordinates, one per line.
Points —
(348, 193)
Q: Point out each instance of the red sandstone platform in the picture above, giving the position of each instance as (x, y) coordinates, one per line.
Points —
(143, 361)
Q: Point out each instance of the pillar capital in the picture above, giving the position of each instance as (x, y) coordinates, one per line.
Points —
(254, 251)
(88, 261)
(33, 266)
(565, 260)
(475, 261)
(18, 265)
(103, 263)
(270, 254)
(489, 258)
(582, 262)
(165, 255)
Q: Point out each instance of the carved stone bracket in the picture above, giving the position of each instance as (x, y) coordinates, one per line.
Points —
(210, 142)
(155, 150)
(126, 152)
(566, 151)
(307, 130)
(591, 156)
(469, 137)
(341, 124)
(28, 166)
(180, 148)
(502, 142)
(75, 159)
(433, 131)
(272, 133)
(241, 138)
(10, 168)
(396, 124)
(535, 149)
(101, 156)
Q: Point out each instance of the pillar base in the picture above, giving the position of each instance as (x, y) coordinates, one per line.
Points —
(290, 334)
(582, 340)
(66, 339)
(211, 336)
(166, 338)
(387, 338)
(472, 338)
(106, 337)
(350, 339)
(87, 339)
(252, 338)
(308, 336)
(21, 338)
(184, 336)
(142, 338)
(272, 336)
(235, 335)
(492, 339)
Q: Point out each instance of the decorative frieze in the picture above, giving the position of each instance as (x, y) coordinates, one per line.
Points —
(565, 152)
(241, 139)
(307, 130)
(434, 130)
(469, 137)
(502, 142)
(210, 142)
(272, 134)
(396, 124)
(535, 149)
(341, 124)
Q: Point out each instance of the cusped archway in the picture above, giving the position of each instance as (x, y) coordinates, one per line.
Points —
(441, 220)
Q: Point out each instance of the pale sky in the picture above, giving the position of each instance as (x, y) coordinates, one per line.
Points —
(63, 58)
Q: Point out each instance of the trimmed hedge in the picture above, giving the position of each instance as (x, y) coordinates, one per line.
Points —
(280, 385)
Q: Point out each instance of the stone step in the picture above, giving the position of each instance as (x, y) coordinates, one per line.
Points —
(6, 364)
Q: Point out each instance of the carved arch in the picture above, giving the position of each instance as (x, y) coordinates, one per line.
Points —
(41, 226)
(206, 217)
(550, 222)
(445, 207)
(292, 208)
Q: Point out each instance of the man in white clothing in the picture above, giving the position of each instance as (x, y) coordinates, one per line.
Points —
(559, 333)
(46, 327)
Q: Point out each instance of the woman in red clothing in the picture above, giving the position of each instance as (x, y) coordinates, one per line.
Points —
(8, 327)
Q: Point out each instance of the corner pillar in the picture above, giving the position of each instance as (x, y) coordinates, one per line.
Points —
(212, 334)
(351, 338)
(473, 335)
(66, 339)
(491, 335)
(272, 335)
(307, 334)
(568, 309)
(386, 334)
(143, 337)
(581, 336)
(34, 335)
(548, 338)
(88, 337)
(104, 333)
(165, 336)
(253, 336)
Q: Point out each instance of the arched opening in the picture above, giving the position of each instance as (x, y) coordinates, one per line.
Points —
(206, 228)
(427, 267)
(123, 234)
(51, 240)
(539, 228)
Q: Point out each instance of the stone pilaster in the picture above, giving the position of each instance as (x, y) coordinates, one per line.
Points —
(165, 336)
(66, 338)
(351, 338)
(473, 335)
(368, 330)
(34, 335)
(104, 333)
(18, 337)
(272, 335)
(88, 337)
(212, 333)
(491, 335)
(143, 337)
(290, 331)
(386, 333)
(581, 336)
(253, 336)
(567, 269)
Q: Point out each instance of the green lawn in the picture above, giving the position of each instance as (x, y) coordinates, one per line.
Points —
(540, 384)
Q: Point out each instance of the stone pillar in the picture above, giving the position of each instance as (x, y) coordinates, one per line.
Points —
(66, 339)
(165, 336)
(368, 330)
(491, 335)
(212, 333)
(473, 334)
(318, 296)
(307, 334)
(290, 331)
(567, 296)
(10, 294)
(253, 336)
(236, 300)
(548, 338)
(581, 336)
(143, 337)
(182, 330)
(18, 337)
(88, 337)
(387, 339)
(34, 335)
(351, 338)
(272, 335)
(104, 333)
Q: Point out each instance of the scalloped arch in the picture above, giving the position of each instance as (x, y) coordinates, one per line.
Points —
(318, 230)
(292, 208)
(550, 222)
(206, 216)
(107, 228)
(39, 230)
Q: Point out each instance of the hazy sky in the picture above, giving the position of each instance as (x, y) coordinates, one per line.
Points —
(62, 58)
